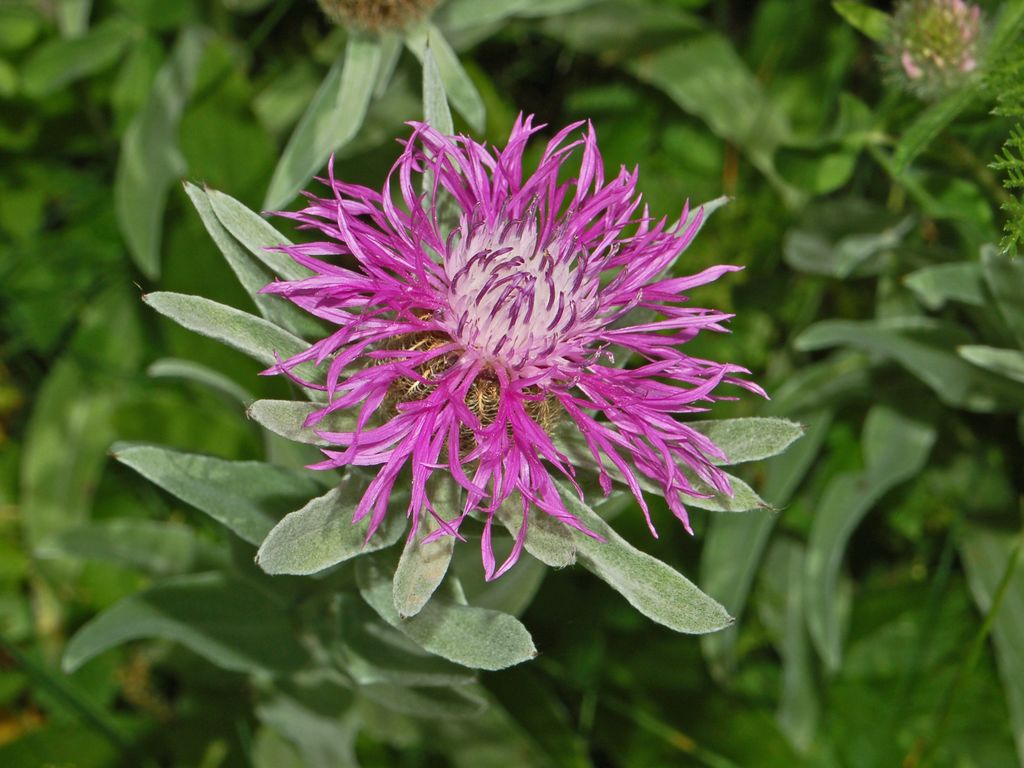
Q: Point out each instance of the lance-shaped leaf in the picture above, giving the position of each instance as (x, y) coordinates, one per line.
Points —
(457, 84)
(259, 339)
(246, 496)
(750, 439)
(170, 367)
(423, 564)
(659, 592)
(225, 620)
(150, 160)
(331, 121)
(435, 100)
(465, 701)
(938, 284)
(250, 274)
(546, 539)
(322, 534)
(287, 417)
(152, 546)
(1005, 362)
(256, 234)
(474, 637)
(743, 499)
(895, 449)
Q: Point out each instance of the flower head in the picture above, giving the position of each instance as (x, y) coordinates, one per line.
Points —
(463, 348)
(375, 15)
(934, 45)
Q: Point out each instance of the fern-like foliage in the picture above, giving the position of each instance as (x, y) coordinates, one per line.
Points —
(1006, 80)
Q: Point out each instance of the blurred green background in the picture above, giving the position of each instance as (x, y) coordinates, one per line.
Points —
(881, 610)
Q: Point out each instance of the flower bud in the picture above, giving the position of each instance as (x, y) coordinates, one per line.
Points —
(375, 15)
(934, 45)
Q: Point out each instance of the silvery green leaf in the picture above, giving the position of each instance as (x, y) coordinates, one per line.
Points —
(1005, 279)
(988, 556)
(422, 566)
(246, 496)
(150, 159)
(458, 85)
(749, 439)
(317, 718)
(321, 534)
(286, 418)
(744, 498)
(435, 100)
(373, 652)
(432, 702)
(546, 539)
(331, 121)
(259, 339)
(252, 276)
(1005, 362)
(151, 546)
(652, 587)
(57, 63)
(474, 637)
(733, 544)
(896, 447)
(953, 380)
(257, 235)
(937, 284)
(391, 51)
(225, 620)
(169, 367)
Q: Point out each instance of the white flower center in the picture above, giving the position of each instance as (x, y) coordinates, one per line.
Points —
(512, 303)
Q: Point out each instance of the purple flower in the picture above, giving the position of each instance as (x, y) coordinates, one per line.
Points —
(464, 350)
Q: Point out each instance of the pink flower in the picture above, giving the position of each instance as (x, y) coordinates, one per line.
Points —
(463, 347)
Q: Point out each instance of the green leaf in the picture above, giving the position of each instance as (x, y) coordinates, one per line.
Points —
(257, 235)
(896, 447)
(321, 534)
(323, 729)
(733, 545)
(151, 546)
(871, 21)
(987, 555)
(286, 418)
(457, 84)
(750, 439)
(333, 119)
(169, 367)
(941, 283)
(929, 124)
(150, 160)
(1005, 362)
(1005, 279)
(652, 587)
(706, 77)
(744, 498)
(422, 566)
(252, 277)
(474, 637)
(782, 610)
(433, 702)
(546, 539)
(58, 63)
(435, 100)
(246, 496)
(955, 381)
(227, 621)
(261, 340)
(373, 652)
